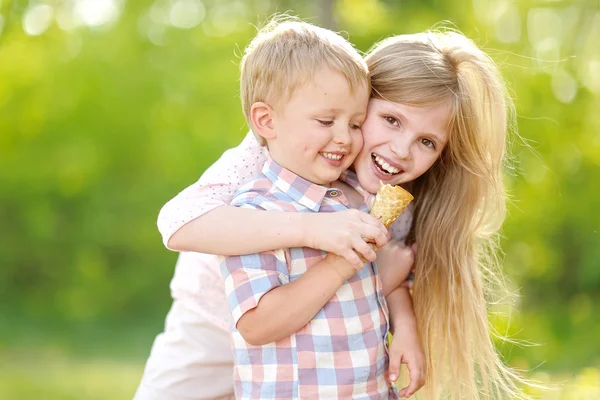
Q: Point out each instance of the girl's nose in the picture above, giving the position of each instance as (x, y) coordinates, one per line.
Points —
(400, 146)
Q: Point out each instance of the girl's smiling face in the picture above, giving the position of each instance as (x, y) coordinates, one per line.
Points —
(400, 142)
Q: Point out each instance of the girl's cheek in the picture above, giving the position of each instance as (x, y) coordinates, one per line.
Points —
(360, 141)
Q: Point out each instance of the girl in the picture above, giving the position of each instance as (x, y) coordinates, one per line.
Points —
(437, 125)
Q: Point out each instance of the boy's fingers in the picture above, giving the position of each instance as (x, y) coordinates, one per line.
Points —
(366, 250)
(353, 258)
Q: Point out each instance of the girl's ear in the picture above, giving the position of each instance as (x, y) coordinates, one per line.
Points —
(261, 117)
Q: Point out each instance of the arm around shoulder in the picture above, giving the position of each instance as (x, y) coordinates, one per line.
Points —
(182, 221)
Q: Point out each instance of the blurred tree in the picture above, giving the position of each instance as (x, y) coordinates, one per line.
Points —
(109, 107)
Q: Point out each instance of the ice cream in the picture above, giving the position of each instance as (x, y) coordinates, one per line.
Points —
(390, 201)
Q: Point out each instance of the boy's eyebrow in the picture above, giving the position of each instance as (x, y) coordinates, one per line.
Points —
(332, 110)
(336, 110)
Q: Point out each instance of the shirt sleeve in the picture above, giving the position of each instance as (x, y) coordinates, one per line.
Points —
(249, 277)
(214, 188)
(401, 226)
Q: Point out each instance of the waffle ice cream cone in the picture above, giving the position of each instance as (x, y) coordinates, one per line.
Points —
(390, 201)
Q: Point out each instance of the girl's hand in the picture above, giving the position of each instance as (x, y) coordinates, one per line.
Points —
(406, 349)
(345, 233)
(394, 263)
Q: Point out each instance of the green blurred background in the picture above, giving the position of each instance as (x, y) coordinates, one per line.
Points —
(108, 108)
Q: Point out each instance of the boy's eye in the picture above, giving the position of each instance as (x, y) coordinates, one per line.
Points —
(392, 120)
(428, 143)
(355, 127)
(325, 123)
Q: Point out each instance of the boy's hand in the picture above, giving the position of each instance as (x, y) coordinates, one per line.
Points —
(394, 263)
(346, 233)
(406, 349)
(344, 269)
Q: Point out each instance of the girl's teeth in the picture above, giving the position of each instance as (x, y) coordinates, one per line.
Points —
(387, 168)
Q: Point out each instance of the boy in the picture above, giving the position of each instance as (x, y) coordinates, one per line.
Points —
(305, 325)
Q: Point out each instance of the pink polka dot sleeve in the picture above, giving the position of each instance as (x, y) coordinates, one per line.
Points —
(401, 225)
(214, 188)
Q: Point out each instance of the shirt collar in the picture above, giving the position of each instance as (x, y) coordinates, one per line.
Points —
(350, 177)
(302, 191)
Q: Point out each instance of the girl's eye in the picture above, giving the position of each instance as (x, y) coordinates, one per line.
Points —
(428, 143)
(325, 123)
(392, 121)
(355, 127)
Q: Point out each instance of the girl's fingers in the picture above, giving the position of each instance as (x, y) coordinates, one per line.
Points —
(414, 248)
(371, 220)
(416, 379)
(365, 249)
(374, 234)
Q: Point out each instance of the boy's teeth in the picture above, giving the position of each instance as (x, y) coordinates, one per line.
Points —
(335, 157)
(385, 166)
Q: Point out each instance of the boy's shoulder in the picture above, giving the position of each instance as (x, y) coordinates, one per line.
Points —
(260, 192)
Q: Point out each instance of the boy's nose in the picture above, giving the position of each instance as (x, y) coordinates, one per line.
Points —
(342, 136)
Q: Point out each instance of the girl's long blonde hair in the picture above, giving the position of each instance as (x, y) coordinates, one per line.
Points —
(459, 207)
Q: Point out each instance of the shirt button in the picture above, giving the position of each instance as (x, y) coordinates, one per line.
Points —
(334, 193)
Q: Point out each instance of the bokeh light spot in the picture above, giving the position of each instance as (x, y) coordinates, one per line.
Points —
(37, 19)
(97, 12)
(564, 86)
(186, 14)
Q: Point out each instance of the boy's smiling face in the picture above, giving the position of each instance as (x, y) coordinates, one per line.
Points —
(317, 133)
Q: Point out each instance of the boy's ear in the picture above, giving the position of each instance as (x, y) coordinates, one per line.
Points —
(261, 117)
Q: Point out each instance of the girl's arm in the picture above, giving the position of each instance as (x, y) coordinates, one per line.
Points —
(405, 347)
(199, 219)
(395, 262)
(181, 220)
(247, 231)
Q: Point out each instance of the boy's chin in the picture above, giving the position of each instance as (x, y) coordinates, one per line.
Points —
(326, 179)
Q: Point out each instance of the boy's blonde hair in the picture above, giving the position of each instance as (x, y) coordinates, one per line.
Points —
(285, 54)
(459, 207)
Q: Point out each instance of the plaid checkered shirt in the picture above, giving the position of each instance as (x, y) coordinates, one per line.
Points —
(342, 352)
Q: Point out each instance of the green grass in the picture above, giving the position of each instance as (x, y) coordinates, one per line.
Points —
(55, 372)
(53, 360)
(51, 375)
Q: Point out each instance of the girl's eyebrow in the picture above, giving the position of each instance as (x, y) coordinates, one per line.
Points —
(435, 136)
(403, 119)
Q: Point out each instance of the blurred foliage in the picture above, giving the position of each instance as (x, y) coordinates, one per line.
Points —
(109, 107)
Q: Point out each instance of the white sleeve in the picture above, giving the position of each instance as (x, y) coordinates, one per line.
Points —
(215, 187)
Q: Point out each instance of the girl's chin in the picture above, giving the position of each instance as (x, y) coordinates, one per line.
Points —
(369, 182)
